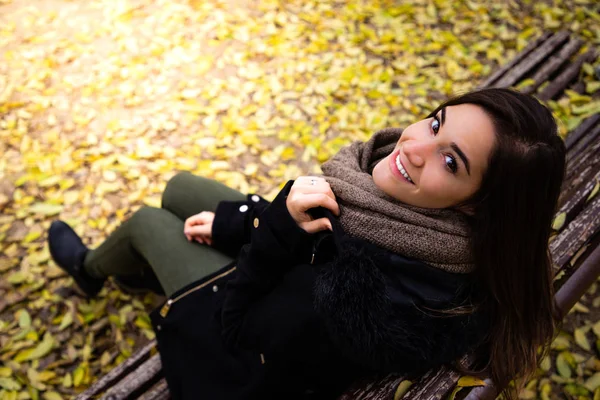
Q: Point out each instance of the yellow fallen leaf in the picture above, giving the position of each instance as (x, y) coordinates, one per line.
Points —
(45, 209)
(468, 381)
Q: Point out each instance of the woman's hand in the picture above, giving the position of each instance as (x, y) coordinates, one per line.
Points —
(199, 227)
(304, 195)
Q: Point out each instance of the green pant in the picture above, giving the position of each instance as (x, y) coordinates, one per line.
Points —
(153, 237)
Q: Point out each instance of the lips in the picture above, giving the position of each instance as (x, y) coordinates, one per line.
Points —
(394, 168)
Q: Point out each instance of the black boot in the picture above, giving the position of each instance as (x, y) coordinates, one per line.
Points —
(68, 251)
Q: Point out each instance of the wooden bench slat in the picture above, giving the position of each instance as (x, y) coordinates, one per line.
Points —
(144, 377)
(586, 140)
(117, 373)
(529, 62)
(373, 388)
(579, 167)
(576, 202)
(577, 133)
(570, 73)
(579, 231)
(553, 64)
(522, 54)
(160, 391)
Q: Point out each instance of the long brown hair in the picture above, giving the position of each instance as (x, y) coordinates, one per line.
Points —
(510, 221)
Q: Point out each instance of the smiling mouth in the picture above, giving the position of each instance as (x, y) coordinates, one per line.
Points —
(402, 170)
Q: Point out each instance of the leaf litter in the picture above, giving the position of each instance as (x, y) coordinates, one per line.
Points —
(102, 102)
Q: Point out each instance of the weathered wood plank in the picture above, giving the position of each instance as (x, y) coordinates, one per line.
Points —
(524, 53)
(551, 65)
(529, 62)
(570, 240)
(580, 162)
(374, 388)
(435, 385)
(160, 391)
(118, 373)
(580, 169)
(584, 142)
(577, 201)
(577, 133)
(570, 73)
(135, 382)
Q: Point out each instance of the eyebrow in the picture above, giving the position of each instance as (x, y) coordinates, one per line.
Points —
(462, 156)
(455, 147)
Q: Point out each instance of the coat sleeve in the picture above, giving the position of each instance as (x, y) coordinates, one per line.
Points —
(231, 226)
(276, 244)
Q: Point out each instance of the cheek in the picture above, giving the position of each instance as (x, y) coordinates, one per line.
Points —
(435, 183)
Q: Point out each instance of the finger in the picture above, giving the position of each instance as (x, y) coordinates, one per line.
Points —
(313, 200)
(320, 186)
(317, 225)
(188, 237)
(199, 239)
(197, 219)
(199, 230)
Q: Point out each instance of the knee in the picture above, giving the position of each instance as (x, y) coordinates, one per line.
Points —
(174, 186)
(145, 216)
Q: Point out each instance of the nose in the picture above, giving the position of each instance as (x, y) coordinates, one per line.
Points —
(417, 150)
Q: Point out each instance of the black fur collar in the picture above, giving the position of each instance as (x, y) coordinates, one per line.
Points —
(371, 301)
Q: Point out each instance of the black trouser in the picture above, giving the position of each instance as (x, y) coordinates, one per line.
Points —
(153, 237)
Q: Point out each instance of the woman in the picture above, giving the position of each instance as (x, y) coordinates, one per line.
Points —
(414, 248)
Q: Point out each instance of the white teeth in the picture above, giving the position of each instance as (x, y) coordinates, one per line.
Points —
(401, 168)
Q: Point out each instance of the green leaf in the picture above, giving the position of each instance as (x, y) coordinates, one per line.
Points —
(592, 87)
(546, 364)
(9, 384)
(527, 394)
(453, 394)
(78, 375)
(39, 351)
(402, 389)
(560, 343)
(587, 109)
(581, 340)
(563, 366)
(51, 395)
(45, 209)
(559, 221)
(66, 321)
(17, 278)
(593, 382)
(24, 319)
(596, 326)
(594, 191)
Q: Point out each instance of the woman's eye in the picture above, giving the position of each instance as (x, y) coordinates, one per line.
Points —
(451, 164)
(435, 125)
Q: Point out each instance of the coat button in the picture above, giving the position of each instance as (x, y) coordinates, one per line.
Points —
(215, 288)
(243, 208)
(255, 198)
(158, 327)
(256, 222)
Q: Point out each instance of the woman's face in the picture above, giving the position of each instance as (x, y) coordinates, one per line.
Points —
(445, 158)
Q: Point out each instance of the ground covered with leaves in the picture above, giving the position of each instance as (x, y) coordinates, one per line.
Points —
(102, 101)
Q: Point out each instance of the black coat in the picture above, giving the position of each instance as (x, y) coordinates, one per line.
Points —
(274, 325)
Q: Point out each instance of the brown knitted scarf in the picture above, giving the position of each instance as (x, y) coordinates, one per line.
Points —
(437, 237)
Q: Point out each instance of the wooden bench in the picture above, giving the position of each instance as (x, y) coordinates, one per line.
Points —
(545, 69)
